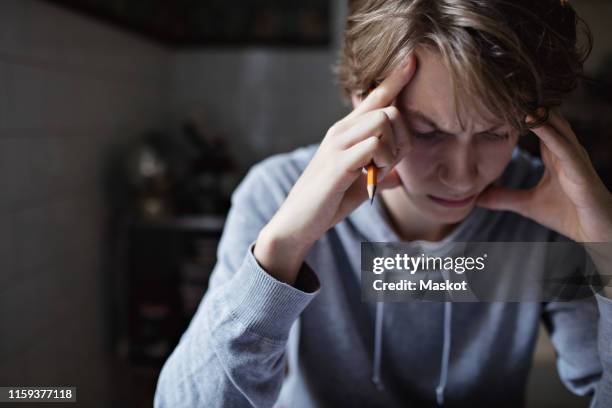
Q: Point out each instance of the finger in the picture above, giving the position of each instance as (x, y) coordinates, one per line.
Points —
(400, 141)
(400, 131)
(556, 119)
(558, 145)
(358, 190)
(385, 155)
(564, 128)
(360, 154)
(388, 90)
(363, 153)
(357, 194)
(376, 123)
(505, 199)
(572, 156)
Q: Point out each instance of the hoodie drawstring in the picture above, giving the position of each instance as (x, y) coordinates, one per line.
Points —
(380, 311)
(446, 348)
(448, 308)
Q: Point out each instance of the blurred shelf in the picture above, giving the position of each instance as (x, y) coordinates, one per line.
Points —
(202, 223)
(169, 264)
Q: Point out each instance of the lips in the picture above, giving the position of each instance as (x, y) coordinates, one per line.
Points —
(453, 203)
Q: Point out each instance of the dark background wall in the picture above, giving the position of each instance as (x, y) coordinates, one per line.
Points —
(70, 90)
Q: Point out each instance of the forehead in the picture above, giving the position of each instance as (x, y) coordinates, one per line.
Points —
(431, 91)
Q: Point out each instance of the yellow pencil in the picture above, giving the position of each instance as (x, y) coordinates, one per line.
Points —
(372, 169)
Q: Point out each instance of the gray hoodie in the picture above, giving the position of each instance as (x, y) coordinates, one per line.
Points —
(255, 341)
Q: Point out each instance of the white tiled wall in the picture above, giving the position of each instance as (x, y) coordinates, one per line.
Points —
(71, 90)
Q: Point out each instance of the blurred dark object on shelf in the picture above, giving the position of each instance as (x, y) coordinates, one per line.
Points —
(169, 264)
(172, 193)
(191, 173)
(149, 179)
(208, 176)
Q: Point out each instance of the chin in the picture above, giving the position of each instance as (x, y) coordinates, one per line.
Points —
(436, 213)
(444, 215)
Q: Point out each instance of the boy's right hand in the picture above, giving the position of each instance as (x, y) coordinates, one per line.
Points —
(333, 185)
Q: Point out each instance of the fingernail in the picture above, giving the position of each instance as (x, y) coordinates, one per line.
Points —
(541, 112)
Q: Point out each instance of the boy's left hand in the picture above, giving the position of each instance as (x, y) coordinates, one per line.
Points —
(570, 198)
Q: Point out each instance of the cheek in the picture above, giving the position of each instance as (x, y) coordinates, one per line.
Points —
(421, 160)
(493, 159)
(417, 166)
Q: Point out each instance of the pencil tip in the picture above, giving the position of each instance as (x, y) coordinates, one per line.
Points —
(371, 193)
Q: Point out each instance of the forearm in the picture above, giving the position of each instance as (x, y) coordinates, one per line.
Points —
(233, 352)
(280, 256)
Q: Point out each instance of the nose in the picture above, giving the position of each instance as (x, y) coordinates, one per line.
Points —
(459, 170)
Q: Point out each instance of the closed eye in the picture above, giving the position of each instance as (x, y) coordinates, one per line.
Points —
(429, 135)
(437, 135)
(494, 137)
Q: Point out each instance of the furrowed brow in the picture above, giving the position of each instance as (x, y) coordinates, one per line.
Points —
(415, 114)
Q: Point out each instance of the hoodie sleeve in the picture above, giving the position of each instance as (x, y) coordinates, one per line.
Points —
(581, 332)
(233, 352)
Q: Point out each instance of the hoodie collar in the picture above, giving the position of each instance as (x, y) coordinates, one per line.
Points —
(374, 225)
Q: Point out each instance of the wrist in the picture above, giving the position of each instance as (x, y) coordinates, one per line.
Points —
(280, 256)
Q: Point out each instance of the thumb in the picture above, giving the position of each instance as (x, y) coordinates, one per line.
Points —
(505, 199)
(390, 180)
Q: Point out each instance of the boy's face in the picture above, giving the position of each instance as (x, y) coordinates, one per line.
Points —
(446, 161)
